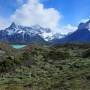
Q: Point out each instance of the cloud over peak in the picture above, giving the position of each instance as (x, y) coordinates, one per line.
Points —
(33, 13)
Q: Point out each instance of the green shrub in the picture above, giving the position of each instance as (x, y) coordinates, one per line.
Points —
(86, 53)
(55, 54)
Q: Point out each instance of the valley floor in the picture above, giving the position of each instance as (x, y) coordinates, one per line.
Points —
(63, 67)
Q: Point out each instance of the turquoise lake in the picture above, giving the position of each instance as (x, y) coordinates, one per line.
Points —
(18, 46)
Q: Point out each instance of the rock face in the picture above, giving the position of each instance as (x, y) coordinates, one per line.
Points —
(81, 35)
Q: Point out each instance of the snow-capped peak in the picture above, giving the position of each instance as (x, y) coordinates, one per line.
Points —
(32, 31)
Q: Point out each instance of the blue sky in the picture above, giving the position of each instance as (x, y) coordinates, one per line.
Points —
(7, 7)
(72, 11)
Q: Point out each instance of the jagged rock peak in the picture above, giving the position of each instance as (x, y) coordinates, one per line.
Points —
(13, 24)
(84, 25)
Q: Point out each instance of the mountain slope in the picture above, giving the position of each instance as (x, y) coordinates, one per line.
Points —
(81, 35)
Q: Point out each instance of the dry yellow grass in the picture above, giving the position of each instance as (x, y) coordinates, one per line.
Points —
(11, 87)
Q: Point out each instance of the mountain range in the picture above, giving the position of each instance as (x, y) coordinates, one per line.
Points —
(25, 35)
(19, 34)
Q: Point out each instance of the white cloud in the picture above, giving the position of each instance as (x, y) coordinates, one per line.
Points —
(3, 23)
(84, 20)
(68, 29)
(33, 12)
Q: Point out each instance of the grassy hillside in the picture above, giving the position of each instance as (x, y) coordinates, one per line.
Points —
(35, 67)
